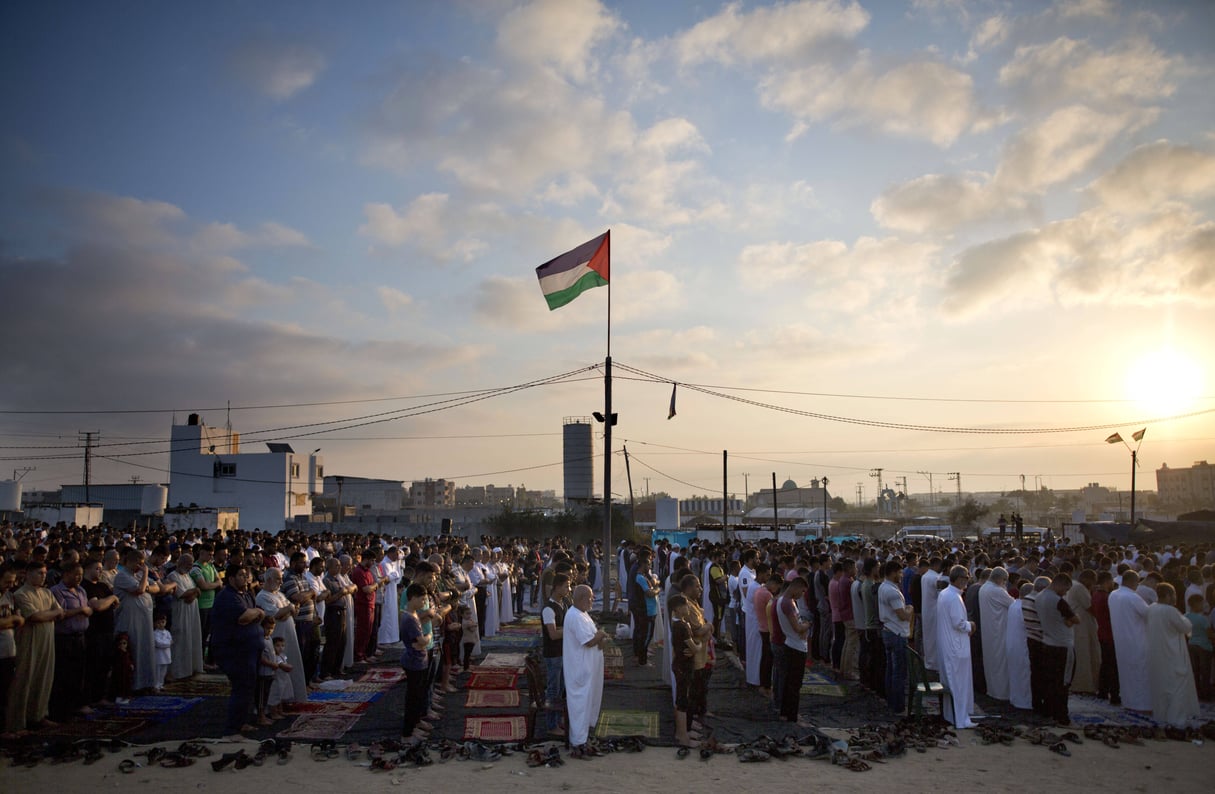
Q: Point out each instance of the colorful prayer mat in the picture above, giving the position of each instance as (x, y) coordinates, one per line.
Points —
(613, 663)
(1090, 710)
(97, 727)
(382, 675)
(492, 699)
(496, 729)
(200, 685)
(347, 697)
(331, 707)
(319, 726)
(157, 708)
(628, 722)
(517, 630)
(479, 679)
(511, 641)
(485, 668)
(513, 660)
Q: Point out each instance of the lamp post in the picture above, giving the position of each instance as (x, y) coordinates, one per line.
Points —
(823, 530)
(1137, 437)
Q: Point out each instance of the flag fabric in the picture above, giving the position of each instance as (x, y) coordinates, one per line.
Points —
(1114, 439)
(574, 272)
(1139, 436)
(671, 412)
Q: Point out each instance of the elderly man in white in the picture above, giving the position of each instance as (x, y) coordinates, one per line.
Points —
(953, 645)
(994, 602)
(582, 644)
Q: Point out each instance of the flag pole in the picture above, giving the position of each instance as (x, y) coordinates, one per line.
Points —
(607, 456)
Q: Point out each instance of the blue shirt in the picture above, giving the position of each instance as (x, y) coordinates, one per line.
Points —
(411, 630)
(651, 601)
(1199, 623)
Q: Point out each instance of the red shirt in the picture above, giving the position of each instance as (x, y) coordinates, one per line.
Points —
(362, 577)
(763, 597)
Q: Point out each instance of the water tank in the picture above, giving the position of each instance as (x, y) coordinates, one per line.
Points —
(153, 500)
(10, 496)
(579, 459)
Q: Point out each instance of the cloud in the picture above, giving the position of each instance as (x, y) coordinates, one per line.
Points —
(1051, 151)
(1071, 70)
(133, 301)
(1094, 258)
(277, 69)
(868, 276)
(1155, 174)
(920, 99)
(940, 203)
(556, 34)
(222, 237)
(783, 32)
(393, 299)
(1072, 9)
(430, 223)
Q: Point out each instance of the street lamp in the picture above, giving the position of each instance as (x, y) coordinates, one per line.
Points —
(1137, 437)
(823, 530)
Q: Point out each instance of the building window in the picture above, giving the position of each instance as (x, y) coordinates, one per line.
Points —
(320, 472)
(301, 499)
(295, 470)
(225, 469)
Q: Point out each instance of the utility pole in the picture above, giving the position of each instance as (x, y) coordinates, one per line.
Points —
(24, 471)
(932, 495)
(647, 487)
(89, 437)
(954, 475)
(823, 532)
(860, 493)
(878, 473)
(746, 489)
(775, 512)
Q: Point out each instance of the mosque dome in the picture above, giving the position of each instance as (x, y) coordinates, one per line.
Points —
(789, 486)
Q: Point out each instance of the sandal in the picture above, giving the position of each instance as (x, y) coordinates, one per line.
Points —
(224, 761)
(1061, 749)
(127, 766)
(353, 751)
(857, 765)
(386, 764)
(683, 752)
(176, 761)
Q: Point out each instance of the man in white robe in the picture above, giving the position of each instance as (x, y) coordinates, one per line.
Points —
(490, 571)
(994, 602)
(390, 618)
(953, 645)
(706, 603)
(1170, 676)
(1128, 621)
(506, 607)
(582, 644)
(1087, 667)
(928, 594)
(1016, 648)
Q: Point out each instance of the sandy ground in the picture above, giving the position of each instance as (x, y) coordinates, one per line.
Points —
(1171, 766)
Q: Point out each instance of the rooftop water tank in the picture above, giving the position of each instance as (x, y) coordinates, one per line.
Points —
(153, 500)
(10, 496)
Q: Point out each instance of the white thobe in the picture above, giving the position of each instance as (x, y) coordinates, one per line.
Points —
(994, 602)
(706, 603)
(1174, 695)
(1016, 648)
(491, 601)
(390, 616)
(755, 641)
(953, 643)
(597, 572)
(1087, 669)
(1128, 620)
(348, 653)
(928, 592)
(506, 609)
(583, 670)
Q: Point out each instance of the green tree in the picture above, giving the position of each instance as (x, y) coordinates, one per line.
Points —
(967, 514)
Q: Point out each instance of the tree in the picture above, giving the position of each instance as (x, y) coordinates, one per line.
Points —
(967, 514)
(837, 504)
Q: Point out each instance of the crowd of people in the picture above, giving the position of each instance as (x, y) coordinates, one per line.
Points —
(93, 617)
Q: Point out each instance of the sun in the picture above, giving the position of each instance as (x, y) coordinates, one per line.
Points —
(1165, 382)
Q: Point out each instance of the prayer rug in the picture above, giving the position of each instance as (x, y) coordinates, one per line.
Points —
(366, 686)
(157, 708)
(386, 676)
(479, 679)
(517, 630)
(97, 727)
(485, 668)
(496, 729)
(332, 707)
(628, 722)
(347, 697)
(511, 641)
(320, 726)
(201, 685)
(824, 690)
(613, 663)
(514, 660)
(492, 698)
(1090, 710)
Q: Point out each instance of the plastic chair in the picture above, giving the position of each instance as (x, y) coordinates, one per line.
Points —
(917, 680)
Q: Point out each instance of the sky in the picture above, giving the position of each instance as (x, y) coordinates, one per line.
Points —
(930, 237)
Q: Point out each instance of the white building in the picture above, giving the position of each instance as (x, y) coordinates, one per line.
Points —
(365, 494)
(268, 488)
